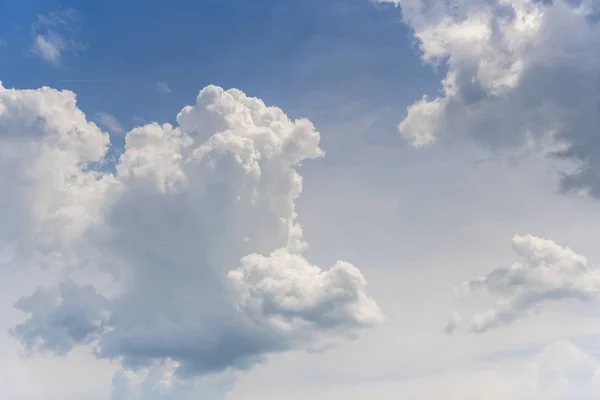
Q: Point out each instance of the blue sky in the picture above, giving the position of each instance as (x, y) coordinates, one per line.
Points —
(442, 245)
(322, 60)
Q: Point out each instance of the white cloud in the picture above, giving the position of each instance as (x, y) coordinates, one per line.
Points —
(187, 205)
(49, 47)
(48, 200)
(163, 87)
(517, 71)
(110, 122)
(548, 273)
(54, 34)
(417, 128)
(291, 295)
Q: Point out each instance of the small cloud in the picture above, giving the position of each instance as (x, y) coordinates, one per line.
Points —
(163, 87)
(452, 324)
(548, 273)
(54, 34)
(48, 48)
(2, 42)
(110, 122)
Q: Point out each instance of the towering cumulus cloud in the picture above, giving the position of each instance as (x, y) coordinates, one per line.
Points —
(519, 73)
(195, 230)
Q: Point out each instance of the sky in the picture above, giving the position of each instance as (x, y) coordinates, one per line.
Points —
(339, 199)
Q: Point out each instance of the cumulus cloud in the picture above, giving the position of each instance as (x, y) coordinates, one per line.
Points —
(519, 73)
(54, 34)
(196, 230)
(49, 195)
(547, 273)
(292, 295)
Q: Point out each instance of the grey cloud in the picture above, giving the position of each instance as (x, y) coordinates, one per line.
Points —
(61, 318)
(452, 324)
(520, 74)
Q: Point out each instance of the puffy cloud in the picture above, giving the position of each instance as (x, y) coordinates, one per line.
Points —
(548, 273)
(54, 34)
(195, 231)
(50, 196)
(294, 296)
(519, 73)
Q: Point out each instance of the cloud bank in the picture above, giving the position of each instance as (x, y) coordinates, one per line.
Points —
(520, 73)
(195, 234)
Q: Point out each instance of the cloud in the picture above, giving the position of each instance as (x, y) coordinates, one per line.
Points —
(49, 48)
(520, 73)
(291, 295)
(548, 273)
(160, 382)
(163, 87)
(452, 324)
(110, 122)
(62, 318)
(196, 232)
(561, 371)
(54, 34)
(48, 199)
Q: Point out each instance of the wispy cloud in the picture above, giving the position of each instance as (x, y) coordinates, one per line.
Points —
(163, 87)
(54, 34)
(110, 122)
